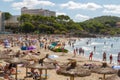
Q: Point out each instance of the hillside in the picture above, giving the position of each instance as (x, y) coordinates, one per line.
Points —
(105, 25)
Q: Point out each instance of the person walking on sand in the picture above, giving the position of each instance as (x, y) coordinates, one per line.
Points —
(74, 52)
(111, 58)
(104, 56)
(90, 56)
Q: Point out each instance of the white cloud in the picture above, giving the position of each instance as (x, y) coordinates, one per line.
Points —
(60, 13)
(80, 17)
(75, 5)
(31, 3)
(111, 9)
(8, 0)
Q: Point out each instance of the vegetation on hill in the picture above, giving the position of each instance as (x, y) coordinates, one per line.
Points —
(105, 25)
(62, 24)
(50, 25)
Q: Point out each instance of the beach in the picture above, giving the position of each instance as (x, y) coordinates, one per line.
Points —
(52, 75)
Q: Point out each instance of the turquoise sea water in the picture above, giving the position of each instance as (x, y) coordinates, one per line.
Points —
(102, 45)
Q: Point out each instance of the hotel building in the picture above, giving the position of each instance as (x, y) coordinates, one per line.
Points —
(41, 12)
(2, 27)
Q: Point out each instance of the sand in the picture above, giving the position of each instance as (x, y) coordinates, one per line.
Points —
(62, 59)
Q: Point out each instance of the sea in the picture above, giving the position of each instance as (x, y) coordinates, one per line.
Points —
(109, 45)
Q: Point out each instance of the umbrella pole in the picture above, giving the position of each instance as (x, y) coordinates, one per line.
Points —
(103, 76)
(71, 77)
(45, 73)
(16, 73)
(26, 71)
(40, 73)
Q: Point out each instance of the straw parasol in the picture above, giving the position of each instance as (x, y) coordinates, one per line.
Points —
(12, 55)
(15, 61)
(42, 55)
(48, 60)
(114, 77)
(76, 72)
(104, 71)
(30, 57)
(3, 56)
(37, 66)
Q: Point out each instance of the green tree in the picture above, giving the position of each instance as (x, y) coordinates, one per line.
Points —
(27, 27)
(7, 15)
(25, 18)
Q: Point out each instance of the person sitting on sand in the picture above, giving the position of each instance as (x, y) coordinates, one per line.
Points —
(12, 71)
(32, 72)
(18, 53)
(6, 68)
(72, 65)
(6, 77)
(42, 60)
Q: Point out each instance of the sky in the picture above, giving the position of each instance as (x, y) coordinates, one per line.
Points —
(78, 10)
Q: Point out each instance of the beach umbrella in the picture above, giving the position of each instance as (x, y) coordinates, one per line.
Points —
(11, 55)
(3, 56)
(15, 61)
(114, 77)
(42, 56)
(30, 57)
(104, 71)
(48, 60)
(38, 66)
(50, 65)
(77, 72)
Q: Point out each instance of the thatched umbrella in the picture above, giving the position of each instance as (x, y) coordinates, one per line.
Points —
(15, 61)
(114, 77)
(38, 66)
(30, 57)
(104, 71)
(3, 56)
(12, 55)
(74, 72)
(50, 65)
(48, 60)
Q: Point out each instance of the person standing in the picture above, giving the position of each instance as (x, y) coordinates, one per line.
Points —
(118, 58)
(90, 56)
(104, 56)
(111, 58)
(74, 52)
(94, 48)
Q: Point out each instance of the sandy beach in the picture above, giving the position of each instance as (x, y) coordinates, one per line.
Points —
(81, 60)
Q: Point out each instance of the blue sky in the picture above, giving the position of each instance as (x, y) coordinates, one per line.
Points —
(78, 10)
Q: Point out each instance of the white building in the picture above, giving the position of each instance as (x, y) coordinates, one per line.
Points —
(13, 21)
(2, 28)
(42, 12)
(0, 20)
